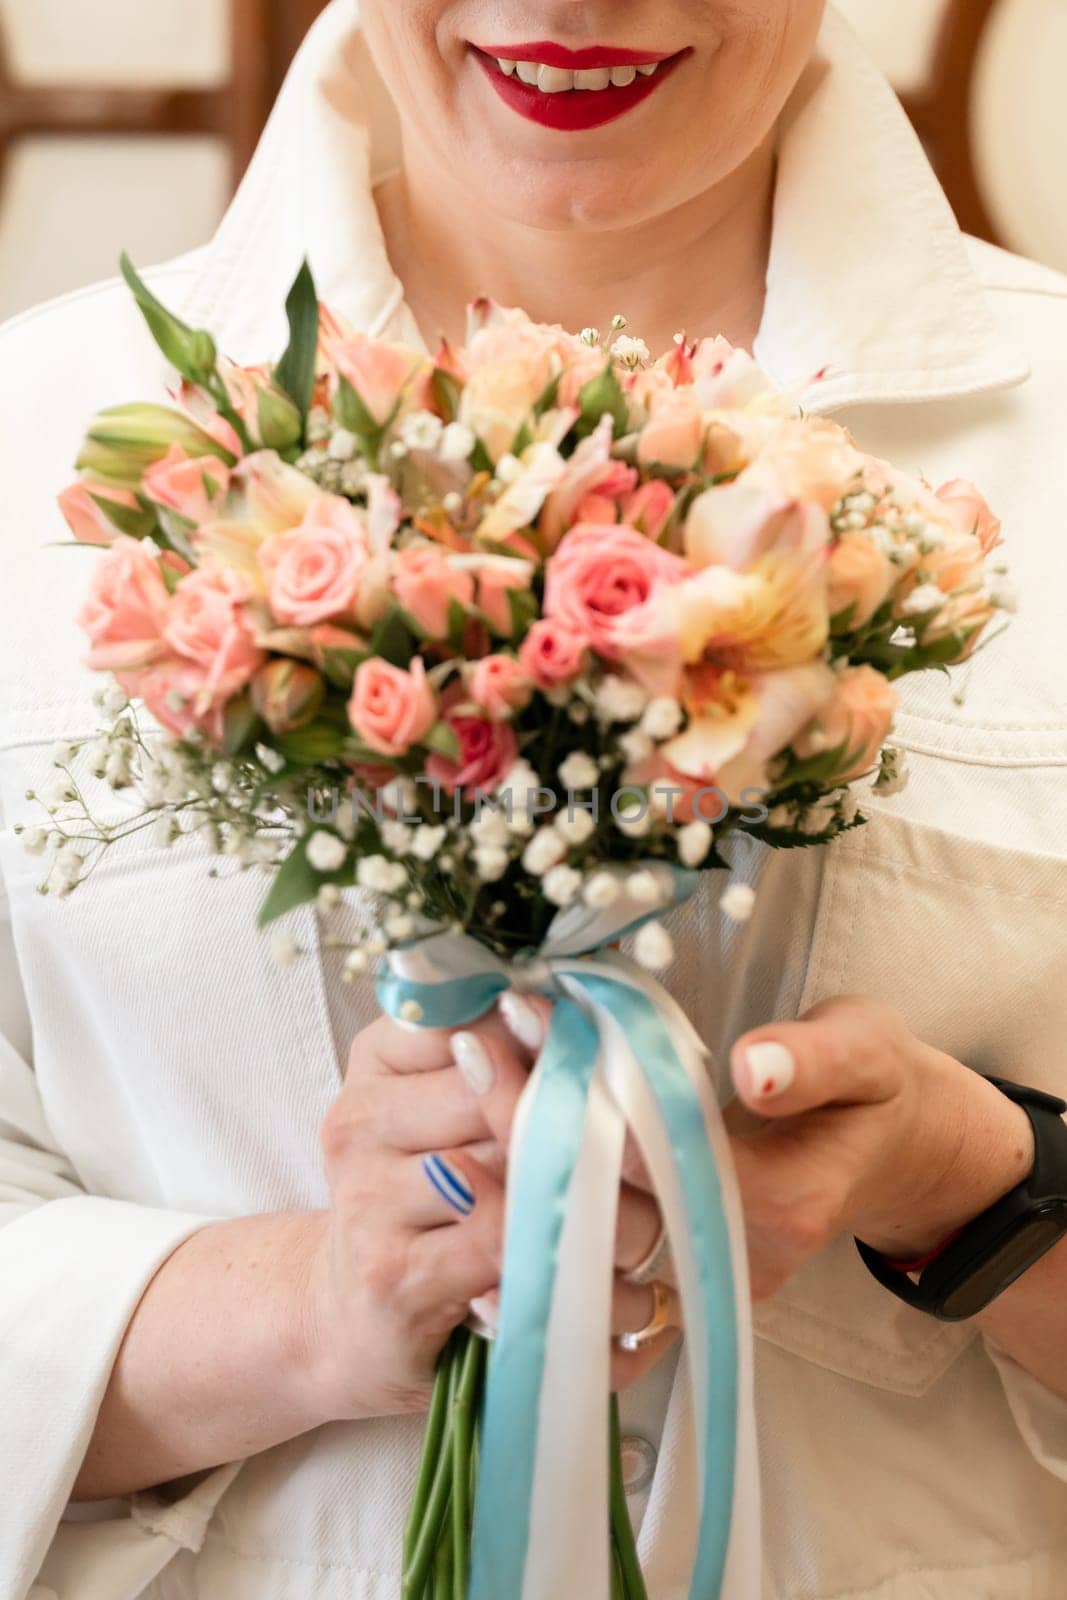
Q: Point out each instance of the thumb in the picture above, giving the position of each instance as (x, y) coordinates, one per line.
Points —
(848, 1051)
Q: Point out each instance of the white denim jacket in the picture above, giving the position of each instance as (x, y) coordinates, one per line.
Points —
(156, 1069)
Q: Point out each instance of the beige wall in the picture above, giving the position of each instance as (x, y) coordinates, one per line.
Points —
(69, 207)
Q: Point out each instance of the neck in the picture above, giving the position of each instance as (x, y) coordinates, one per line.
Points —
(700, 268)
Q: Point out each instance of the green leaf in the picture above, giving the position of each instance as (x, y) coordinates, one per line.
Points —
(296, 882)
(446, 390)
(190, 351)
(457, 623)
(307, 747)
(340, 666)
(392, 639)
(522, 604)
(602, 394)
(352, 414)
(480, 459)
(548, 396)
(139, 524)
(295, 372)
(443, 741)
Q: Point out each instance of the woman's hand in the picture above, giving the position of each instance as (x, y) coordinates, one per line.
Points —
(847, 1123)
(415, 1156)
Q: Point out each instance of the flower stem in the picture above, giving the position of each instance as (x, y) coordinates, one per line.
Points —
(625, 1547)
(436, 1504)
(435, 1425)
(468, 1390)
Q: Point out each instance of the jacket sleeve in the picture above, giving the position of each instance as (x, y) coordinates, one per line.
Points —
(1040, 1414)
(73, 1267)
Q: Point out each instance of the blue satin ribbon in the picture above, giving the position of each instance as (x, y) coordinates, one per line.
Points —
(539, 1188)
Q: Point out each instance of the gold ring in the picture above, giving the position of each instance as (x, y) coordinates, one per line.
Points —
(657, 1323)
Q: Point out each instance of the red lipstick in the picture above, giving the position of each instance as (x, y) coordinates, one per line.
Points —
(574, 110)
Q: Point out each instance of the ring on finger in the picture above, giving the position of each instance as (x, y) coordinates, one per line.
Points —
(657, 1323)
(654, 1264)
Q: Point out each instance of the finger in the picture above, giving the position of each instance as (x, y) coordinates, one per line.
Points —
(527, 1018)
(494, 1071)
(849, 1051)
(387, 1046)
(442, 1186)
(638, 1229)
(439, 1113)
(453, 1266)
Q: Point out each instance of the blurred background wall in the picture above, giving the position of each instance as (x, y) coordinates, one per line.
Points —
(125, 123)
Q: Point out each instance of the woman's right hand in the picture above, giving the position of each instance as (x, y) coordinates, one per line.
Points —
(398, 1264)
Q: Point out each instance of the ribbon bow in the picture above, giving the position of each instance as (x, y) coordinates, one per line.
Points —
(620, 1054)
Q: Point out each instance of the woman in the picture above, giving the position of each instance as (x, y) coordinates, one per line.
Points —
(217, 1337)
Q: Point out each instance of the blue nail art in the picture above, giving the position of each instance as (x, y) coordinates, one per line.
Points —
(453, 1189)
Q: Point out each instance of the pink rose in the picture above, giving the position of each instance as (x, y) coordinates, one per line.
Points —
(86, 521)
(315, 572)
(208, 625)
(969, 512)
(552, 653)
(599, 573)
(497, 577)
(859, 716)
(126, 609)
(391, 709)
(425, 583)
(500, 686)
(486, 751)
(195, 489)
(177, 695)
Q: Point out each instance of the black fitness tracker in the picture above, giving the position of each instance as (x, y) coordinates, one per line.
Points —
(1005, 1241)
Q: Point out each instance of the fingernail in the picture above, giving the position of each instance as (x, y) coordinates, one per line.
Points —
(474, 1062)
(771, 1068)
(453, 1188)
(487, 1311)
(523, 1021)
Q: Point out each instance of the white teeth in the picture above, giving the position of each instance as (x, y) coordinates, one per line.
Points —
(593, 78)
(557, 80)
(554, 80)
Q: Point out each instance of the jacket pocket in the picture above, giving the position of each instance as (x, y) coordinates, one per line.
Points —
(967, 940)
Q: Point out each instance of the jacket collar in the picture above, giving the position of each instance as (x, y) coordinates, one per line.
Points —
(869, 279)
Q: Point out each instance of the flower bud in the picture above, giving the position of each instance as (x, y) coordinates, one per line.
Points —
(124, 441)
(287, 694)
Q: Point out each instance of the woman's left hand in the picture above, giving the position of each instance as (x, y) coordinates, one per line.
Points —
(847, 1123)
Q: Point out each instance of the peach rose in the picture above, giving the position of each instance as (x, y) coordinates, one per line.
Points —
(648, 508)
(486, 751)
(859, 716)
(208, 625)
(391, 709)
(176, 694)
(674, 431)
(425, 583)
(497, 577)
(599, 573)
(378, 372)
(195, 488)
(552, 653)
(500, 686)
(970, 513)
(126, 609)
(85, 519)
(860, 576)
(810, 459)
(316, 571)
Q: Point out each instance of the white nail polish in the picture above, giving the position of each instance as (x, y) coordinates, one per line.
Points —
(474, 1062)
(771, 1068)
(487, 1311)
(523, 1021)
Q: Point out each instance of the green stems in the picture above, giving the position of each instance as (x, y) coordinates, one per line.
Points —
(624, 1548)
(437, 1540)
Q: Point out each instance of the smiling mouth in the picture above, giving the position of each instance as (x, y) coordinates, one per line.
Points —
(573, 89)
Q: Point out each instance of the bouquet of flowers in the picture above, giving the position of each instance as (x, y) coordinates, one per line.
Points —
(513, 638)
